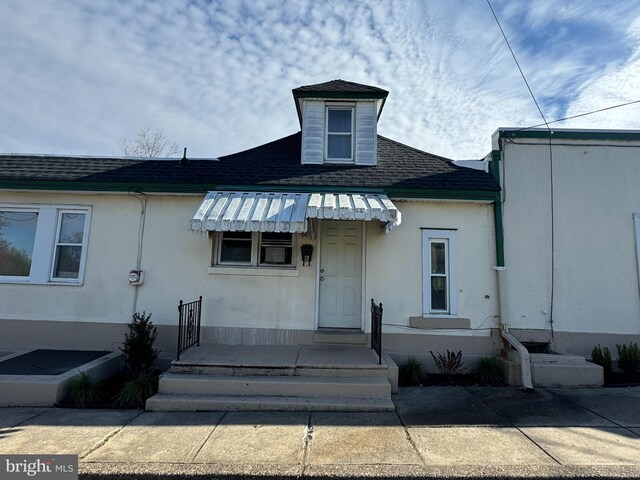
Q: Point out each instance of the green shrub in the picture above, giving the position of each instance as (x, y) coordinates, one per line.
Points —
(136, 390)
(602, 356)
(488, 370)
(84, 390)
(628, 357)
(448, 364)
(137, 349)
(412, 372)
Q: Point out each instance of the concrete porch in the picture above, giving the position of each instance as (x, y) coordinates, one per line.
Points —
(282, 377)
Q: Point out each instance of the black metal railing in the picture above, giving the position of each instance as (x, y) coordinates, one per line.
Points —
(188, 325)
(376, 329)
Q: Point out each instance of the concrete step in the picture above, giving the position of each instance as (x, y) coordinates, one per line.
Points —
(355, 371)
(549, 375)
(195, 384)
(555, 374)
(170, 402)
(551, 358)
(339, 337)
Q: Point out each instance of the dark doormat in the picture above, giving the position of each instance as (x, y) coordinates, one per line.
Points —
(48, 362)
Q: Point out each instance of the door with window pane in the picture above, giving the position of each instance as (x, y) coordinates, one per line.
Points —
(438, 251)
(439, 272)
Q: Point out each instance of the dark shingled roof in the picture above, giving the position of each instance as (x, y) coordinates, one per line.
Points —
(274, 164)
(341, 86)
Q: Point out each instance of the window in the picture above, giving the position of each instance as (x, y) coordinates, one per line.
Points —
(266, 249)
(439, 272)
(339, 134)
(17, 236)
(43, 243)
(68, 249)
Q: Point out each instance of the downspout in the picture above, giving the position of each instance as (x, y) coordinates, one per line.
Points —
(523, 353)
(143, 211)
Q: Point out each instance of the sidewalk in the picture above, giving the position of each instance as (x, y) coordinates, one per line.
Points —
(436, 432)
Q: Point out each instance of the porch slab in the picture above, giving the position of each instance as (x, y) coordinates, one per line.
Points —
(263, 356)
(331, 356)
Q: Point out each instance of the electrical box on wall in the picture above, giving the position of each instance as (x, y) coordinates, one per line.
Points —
(136, 277)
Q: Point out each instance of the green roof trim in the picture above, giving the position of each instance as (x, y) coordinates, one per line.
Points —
(69, 186)
(571, 134)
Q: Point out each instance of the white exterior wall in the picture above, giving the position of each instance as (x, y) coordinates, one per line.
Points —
(595, 195)
(177, 265)
(394, 265)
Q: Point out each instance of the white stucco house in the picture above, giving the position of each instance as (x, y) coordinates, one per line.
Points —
(570, 209)
(288, 242)
(374, 218)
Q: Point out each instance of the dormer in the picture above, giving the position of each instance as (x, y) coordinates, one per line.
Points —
(339, 121)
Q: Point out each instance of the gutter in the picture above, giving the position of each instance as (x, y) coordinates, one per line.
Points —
(500, 268)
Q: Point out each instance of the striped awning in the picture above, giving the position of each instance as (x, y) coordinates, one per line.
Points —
(288, 212)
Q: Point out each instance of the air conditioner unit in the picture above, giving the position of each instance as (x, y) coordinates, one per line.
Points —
(275, 254)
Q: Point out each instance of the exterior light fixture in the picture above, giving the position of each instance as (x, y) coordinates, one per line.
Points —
(307, 253)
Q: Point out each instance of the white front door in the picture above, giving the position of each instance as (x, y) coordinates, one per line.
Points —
(340, 300)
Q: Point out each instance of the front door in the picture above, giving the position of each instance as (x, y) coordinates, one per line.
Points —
(340, 275)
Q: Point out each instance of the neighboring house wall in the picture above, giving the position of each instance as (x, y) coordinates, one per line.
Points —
(252, 305)
(595, 275)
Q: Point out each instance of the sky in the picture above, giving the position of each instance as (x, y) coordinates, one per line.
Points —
(76, 77)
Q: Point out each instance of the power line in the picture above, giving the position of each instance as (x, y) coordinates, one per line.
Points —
(518, 64)
(583, 114)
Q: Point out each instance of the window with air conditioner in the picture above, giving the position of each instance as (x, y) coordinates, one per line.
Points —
(264, 249)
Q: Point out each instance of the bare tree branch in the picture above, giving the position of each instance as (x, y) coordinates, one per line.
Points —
(148, 143)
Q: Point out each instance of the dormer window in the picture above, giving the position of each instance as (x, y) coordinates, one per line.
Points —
(339, 134)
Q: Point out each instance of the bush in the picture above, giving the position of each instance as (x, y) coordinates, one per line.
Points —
(137, 349)
(488, 370)
(602, 356)
(448, 364)
(136, 390)
(412, 373)
(84, 390)
(628, 357)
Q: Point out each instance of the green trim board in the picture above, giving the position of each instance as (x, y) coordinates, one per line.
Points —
(443, 194)
(565, 134)
(494, 169)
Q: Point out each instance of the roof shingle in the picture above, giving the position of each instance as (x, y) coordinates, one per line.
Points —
(273, 164)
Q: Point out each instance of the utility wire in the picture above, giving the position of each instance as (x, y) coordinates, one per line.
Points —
(546, 124)
(582, 114)
(518, 65)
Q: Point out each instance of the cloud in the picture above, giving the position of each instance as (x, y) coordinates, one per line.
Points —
(216, 77)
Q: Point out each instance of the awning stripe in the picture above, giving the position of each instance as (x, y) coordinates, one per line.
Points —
(288, 212)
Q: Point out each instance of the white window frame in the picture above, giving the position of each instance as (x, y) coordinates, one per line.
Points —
(57, 243)
(46, 241)
(256, 245)
(448, 237)
(339, 106)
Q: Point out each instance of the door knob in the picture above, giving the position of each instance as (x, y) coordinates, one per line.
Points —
(322, 270)
(322, 279)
